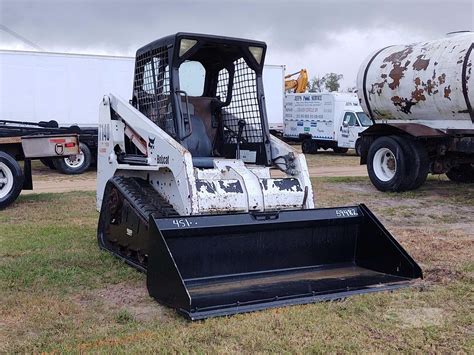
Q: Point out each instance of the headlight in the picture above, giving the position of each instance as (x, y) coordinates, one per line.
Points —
(257, 53)
(185, 45)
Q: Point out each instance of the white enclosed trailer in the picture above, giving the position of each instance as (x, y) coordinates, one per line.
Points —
(44, 86)
(324, 120)
(274, 84)
(422, 96)
(40, 86)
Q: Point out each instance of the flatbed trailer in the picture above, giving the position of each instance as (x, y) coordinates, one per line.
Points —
(25, 142)
(75, 164)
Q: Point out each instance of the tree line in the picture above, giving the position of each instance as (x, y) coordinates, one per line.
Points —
(329, 82)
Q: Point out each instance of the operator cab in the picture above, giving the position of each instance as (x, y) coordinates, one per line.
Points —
(207, 93)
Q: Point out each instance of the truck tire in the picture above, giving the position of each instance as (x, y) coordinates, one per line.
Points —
(386, 164)
(416, 163)
(306, 146)
(463, 173)
(340, 150)
(422, 162)
(357, 147)
(48, 163)
(11, 179)
(309, 146)
(75, 164)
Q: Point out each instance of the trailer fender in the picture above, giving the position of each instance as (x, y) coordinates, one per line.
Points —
(414, 130)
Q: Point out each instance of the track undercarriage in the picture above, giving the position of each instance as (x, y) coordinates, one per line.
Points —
(124, 218)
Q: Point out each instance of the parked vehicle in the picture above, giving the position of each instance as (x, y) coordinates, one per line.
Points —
(324, 121)
(422, 96)
(274, 84)
(74, 164)
(185, 192)
(64, 88)
(24, 142)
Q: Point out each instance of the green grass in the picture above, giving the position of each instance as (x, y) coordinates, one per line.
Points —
(61, 293)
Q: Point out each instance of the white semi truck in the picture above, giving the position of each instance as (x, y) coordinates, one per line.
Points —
(324, 120)
(421, 96)
(65, 88)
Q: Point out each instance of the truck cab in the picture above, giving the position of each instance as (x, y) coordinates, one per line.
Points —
(353, 123)
(324, 120)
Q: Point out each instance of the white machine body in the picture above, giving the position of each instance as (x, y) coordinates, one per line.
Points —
(230, 186)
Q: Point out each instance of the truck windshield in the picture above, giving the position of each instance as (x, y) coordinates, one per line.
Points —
(365, 121)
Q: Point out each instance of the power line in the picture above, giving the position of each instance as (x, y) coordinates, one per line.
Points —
(20, 37)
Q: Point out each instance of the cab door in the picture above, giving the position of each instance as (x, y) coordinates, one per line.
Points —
(349, 130)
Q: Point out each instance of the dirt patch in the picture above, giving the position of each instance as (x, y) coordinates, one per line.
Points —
(442, 255)
(329, 171)
(333, 171)
(64, 185)
(442, 275)
(417, 317)
(130, 297)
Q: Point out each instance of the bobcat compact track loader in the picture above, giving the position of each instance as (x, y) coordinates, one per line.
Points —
(194, 190)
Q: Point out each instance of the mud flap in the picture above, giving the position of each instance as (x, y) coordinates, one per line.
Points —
(207, 266)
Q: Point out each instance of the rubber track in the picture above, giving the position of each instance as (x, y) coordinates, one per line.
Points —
(143, 197)
(144, 200)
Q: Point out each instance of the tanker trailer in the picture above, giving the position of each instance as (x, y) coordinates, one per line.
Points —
(420, 97)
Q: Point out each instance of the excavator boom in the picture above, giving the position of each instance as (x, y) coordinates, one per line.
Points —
(299, 84)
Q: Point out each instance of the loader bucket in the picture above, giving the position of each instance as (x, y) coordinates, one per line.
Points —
(207, 266)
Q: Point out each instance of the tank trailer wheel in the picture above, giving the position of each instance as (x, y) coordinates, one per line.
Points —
(11, 179)
(386, 164)
(420, 163)
(75, 164)
(463, 173)
(416, 163)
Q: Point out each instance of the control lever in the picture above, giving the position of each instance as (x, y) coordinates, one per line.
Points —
(241, 125)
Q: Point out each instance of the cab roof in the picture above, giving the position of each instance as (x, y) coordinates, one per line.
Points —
(175, 38)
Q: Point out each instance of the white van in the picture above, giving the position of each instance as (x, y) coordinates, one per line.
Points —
(329, 120)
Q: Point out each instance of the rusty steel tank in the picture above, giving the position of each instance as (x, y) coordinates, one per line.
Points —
(428, 81)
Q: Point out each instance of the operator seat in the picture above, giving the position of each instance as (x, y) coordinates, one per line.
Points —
(198, 142)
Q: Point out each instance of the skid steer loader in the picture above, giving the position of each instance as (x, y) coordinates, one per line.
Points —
(193, 190)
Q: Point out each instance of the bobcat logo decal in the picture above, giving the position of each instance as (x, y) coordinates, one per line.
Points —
(151, 143)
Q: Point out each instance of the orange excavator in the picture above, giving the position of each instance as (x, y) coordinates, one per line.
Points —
(299, 84)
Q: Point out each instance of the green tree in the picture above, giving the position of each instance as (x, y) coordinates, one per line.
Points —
(315, 84)
(331, 81)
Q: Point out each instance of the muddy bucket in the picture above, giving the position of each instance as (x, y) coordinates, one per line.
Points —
(207, 266)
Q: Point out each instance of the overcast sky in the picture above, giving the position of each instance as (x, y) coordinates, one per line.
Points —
(322, 36)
